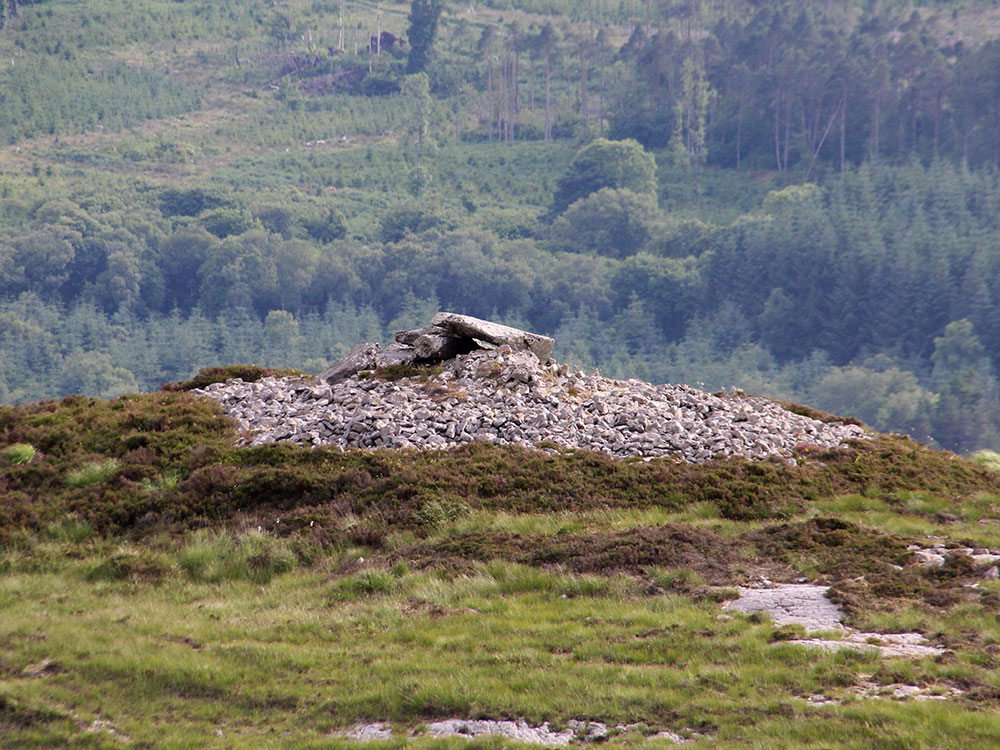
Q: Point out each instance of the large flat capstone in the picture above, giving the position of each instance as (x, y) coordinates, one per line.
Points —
(494, 333)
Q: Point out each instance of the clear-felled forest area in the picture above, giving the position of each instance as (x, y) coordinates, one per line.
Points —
(799, 199)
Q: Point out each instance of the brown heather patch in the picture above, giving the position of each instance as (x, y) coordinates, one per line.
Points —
(856, 561)
(836, 548)
(247, 373)
(817, 414)
(187, 440)
(149, 435)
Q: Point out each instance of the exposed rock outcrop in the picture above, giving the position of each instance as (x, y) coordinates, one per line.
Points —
(507, 396)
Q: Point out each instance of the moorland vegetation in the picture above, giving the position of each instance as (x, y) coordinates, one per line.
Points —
(799, 198)
(185, 185)
(163, 586)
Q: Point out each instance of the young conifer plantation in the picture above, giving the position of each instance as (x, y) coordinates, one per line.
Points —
(799, 200)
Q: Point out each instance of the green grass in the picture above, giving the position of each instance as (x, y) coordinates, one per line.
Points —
(180, 586)
(253, 556)
(91, 473)
(987, 459)
(19, 453)
(285, 664)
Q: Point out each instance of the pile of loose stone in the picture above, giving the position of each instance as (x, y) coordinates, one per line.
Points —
(495, 384)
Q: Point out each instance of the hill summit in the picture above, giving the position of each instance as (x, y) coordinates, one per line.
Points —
(464, 380)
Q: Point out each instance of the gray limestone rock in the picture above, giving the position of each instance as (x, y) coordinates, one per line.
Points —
(494, 333)
(410, 336)
(437, 347)
(361, 357)
(506, 394)
(396, 354)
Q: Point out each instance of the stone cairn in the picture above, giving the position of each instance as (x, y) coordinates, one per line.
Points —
(490, 383)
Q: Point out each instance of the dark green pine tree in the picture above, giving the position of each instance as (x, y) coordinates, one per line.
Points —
(424, 17)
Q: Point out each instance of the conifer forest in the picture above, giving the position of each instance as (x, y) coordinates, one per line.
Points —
(795, 199)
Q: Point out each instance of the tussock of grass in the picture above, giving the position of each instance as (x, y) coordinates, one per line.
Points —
(19, 453)
(253, 556)
(129, 565)
(69, 529)
(91, 473)
(989, 460)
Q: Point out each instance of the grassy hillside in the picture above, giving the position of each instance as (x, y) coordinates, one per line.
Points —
(186, 184)
(157, 581)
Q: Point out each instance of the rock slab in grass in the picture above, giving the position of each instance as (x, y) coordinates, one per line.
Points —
(792, 604)
(808, 606)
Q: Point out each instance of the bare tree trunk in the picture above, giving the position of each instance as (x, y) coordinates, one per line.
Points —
(585, 96)
(548, 97)
(378, 28)
(788, 130)
(843, 134)
(341, 45)
(814, 154)
(517, 82)
(739, 131)
(777, 130)
(489, 93)
(600, 104)
(531, 88)
(515, 106)
(502, 100)
(876, 119)
(937, 121)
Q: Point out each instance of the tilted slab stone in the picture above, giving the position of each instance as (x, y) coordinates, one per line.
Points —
(495, 333)
(361, 357)
(396, 354)
(410, 336)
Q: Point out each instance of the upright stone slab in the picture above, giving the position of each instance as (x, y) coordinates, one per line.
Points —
(361, 357)
(494, 333)
(410, 336)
